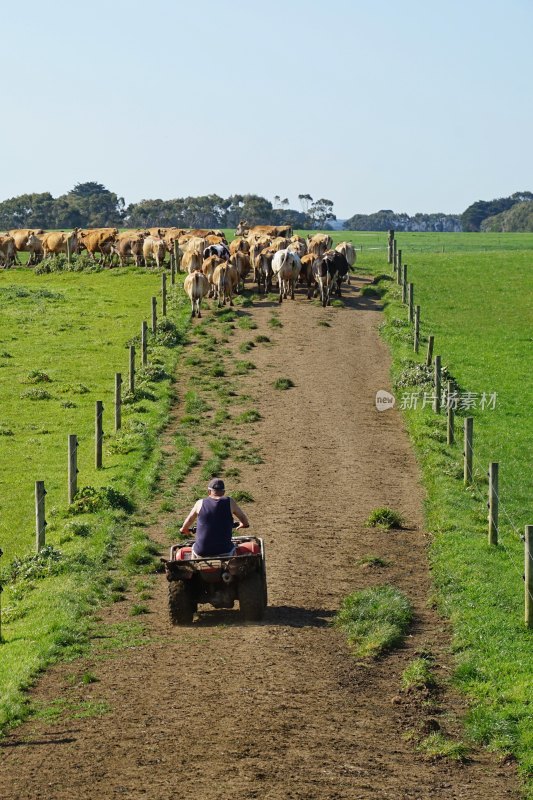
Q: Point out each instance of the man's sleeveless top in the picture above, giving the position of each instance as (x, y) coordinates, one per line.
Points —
(214, 527)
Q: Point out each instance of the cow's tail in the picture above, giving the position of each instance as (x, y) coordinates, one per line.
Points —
(222, 277)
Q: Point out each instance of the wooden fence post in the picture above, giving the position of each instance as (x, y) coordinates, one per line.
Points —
(493, 502)
(395, 254)
(438, 385)
(72, 467)
(404, 284)
(177, 263)
(416, 342)
(98, 433)
(154, 314)
(67, 247)
(118, 401)
(132, 369)
(172, 271)
(528, 575)
(429, 357)
(451, 416)
(40, 521)
(164, 294)
(411, 302)
(144, 343)
(468, 451)
(399, 276)
(389, 247)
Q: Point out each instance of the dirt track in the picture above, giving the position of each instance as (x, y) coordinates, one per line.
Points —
(280, 710)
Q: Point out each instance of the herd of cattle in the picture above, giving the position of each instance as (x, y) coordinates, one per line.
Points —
(214, 267)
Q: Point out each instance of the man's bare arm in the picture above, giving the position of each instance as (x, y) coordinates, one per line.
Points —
(239, 513)
(190, 519)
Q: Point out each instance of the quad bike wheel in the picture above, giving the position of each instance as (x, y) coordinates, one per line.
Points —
(181, 602)
(252, 597)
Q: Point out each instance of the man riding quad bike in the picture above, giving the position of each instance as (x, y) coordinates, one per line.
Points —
(216, 567)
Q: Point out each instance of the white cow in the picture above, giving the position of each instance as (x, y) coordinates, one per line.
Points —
(348, 251)
(286, 267)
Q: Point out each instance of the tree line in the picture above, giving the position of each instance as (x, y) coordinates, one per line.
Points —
(91, 205)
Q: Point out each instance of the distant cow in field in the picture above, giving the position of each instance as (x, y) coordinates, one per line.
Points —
(154, 249)
(8, 251)
(57, 242)
(196, 287)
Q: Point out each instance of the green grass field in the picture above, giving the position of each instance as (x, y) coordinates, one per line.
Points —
(62, 338)
(478, 307)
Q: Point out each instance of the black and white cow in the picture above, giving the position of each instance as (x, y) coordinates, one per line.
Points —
(220, 250)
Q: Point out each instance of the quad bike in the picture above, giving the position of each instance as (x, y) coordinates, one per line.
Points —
(218, 580)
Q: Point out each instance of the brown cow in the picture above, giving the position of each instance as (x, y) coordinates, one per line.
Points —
(225, 279)
(318, 244)
(98, 241)
(34, 247)
(240, 244)
(208, 268)
(306, 274)
(244, 229)
(129, 245)
(57, 242)
(196, 286)
(191, 261)
(241, 262)
(8, 251)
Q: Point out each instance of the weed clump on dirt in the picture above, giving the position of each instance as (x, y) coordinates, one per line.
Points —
(274, 322)
(373, 561)
(283, 383)
(242, 497)
(437, 745)
(374, 620)
(242, 367)
(385, 518)
(418, 675)
(88, 499)
(249, 416)
(260, 339)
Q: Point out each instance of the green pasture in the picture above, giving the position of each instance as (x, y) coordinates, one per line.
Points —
(63, 336)
(479, 308)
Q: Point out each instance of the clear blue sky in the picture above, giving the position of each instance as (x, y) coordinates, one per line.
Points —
(413, 106)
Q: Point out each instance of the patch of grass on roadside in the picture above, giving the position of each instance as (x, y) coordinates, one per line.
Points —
(323, 323)
(261, 339)
(374, 620)
(274, 322)
(245, 347)
(385, 518)
(373, 561)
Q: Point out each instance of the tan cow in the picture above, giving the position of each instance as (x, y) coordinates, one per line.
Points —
(241, 262)
(194, 244)
(298, 247)
(196, 286)
(100, 241)
(239, 244)
(306, 274)
(129, 244)
(208, 268)
(8, 251)
(225, 280)
(21, 235)
(154, 249)
(318, 244)
(57, 242)
(348, 251)
(191, 261)
(244, 229)
(34, 247)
